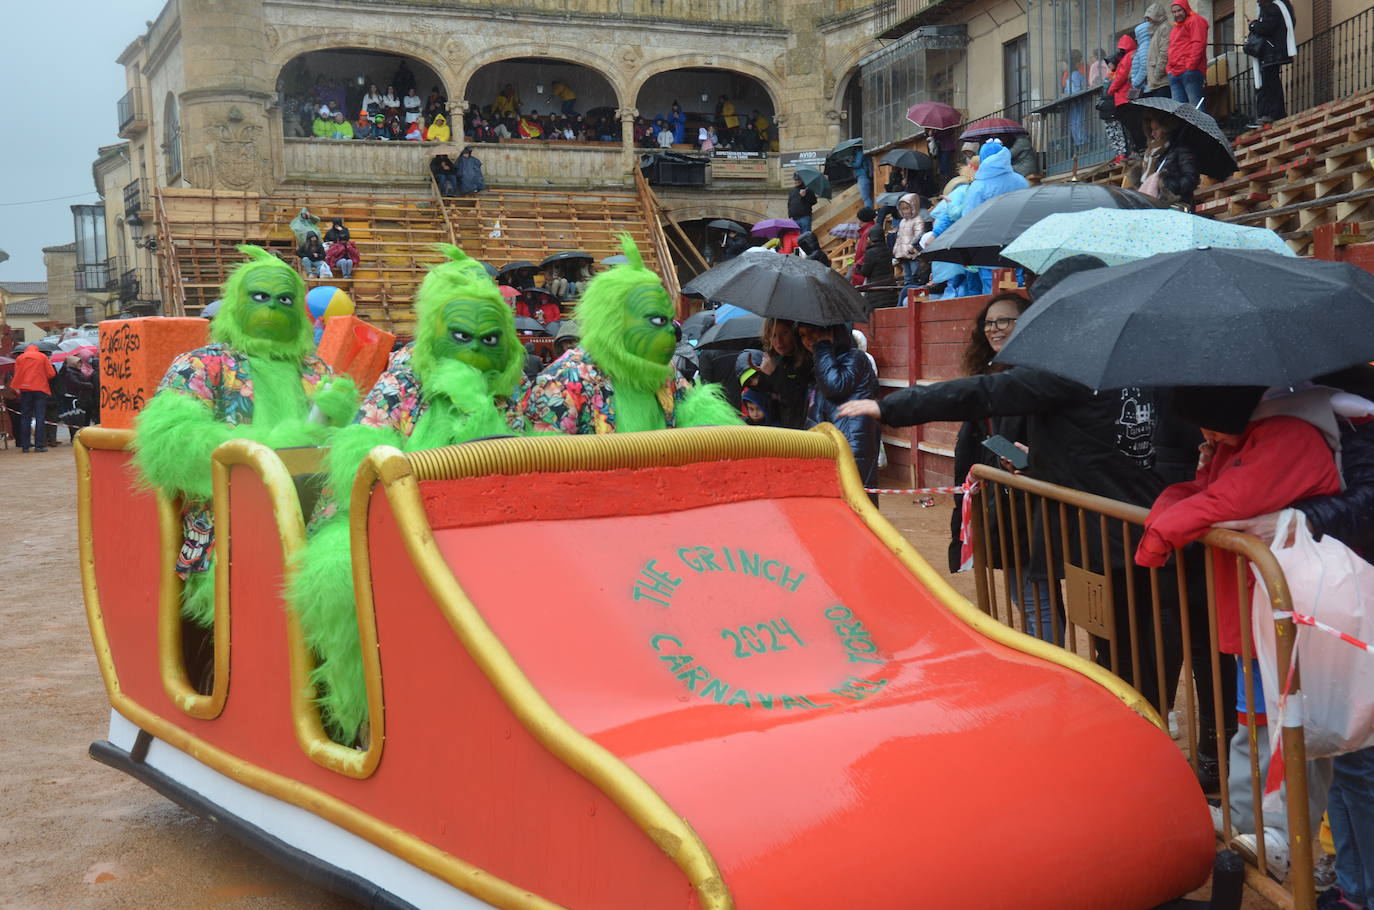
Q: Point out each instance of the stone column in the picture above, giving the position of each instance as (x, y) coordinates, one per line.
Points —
(226, 140)
(628, 156)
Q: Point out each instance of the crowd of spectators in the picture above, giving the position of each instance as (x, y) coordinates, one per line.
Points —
(330, 108)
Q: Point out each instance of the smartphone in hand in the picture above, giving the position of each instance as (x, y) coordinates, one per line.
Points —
(1005, 448)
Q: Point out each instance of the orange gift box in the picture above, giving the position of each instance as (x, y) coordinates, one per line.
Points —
(357, 348)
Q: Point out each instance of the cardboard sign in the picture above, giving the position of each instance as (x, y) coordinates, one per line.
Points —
(134, 355)
(352, 346)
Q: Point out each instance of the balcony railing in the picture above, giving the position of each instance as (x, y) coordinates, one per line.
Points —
(1069, 134)
(133, 285)
(726, 12)
(1337, 63)
(136, 199)
(92, 277)
(114, 267)
(132, 120)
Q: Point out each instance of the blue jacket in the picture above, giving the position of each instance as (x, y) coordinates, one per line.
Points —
(994, 176)
(844, 373)
(1140, 63)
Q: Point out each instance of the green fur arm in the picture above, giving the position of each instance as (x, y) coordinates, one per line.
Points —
(705, 406)
(338, 400)
(173, 439)
(350, 446)
(320, 590)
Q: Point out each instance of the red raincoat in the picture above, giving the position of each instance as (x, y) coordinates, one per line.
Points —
(1274, 463)
(1187, 42)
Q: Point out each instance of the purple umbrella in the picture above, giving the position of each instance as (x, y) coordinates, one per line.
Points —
(772, 227)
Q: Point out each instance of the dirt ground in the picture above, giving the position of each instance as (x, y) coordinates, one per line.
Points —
(75, 834)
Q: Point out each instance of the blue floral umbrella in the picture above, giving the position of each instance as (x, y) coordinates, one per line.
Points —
(1119, 236)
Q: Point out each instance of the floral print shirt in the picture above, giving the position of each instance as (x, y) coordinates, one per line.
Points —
(221, 377)
(573, 396)
(397, 403)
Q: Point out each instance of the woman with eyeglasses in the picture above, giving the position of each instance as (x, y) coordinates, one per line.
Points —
(988, 335)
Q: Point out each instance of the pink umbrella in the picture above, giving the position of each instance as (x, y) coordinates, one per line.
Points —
(508, 292)
(933, 115)
(59, 356)
(989, 127)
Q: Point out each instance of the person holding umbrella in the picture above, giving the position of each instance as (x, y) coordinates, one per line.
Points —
(843, 373)
(800, 202)
(1169, 170)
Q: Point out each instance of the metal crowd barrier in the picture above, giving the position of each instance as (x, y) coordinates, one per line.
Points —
(1155, 628)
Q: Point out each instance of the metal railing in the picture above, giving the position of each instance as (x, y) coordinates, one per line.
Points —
(1069, 134)
(1069, 556)
(114, 267)
(136, 199)
(129, 110)
(92, 276)
(1337, 63)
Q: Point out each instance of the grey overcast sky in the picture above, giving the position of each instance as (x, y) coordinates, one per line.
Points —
(59, 61)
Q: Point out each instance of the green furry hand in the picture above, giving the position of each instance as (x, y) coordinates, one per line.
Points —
(172, 445)
(338, 400)
(705, 406)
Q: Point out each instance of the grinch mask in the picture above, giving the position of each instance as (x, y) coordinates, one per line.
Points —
(474, 332)
(648, 324)
(263, 314)
(463, 317)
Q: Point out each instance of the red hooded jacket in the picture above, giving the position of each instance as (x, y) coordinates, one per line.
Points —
(32, 370)
(1120, 88)
(1187, 42)
(1276, 462)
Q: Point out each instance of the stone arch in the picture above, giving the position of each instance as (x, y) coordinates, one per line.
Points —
(387, 43)
(761, 74)
(552, 53)
(745, 211)
(848, 69)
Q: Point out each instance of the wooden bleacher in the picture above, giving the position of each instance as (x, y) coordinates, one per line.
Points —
(198, 231)
(1312, 168)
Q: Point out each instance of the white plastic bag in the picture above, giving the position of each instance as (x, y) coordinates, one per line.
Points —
(1330, 583)
(326, 271)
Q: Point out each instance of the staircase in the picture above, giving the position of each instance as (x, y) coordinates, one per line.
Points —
(198, 231)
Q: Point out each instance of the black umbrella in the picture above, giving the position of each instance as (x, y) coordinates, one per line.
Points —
(908, 159)
(1200, 131)
(888, 199)
(565, 256)
(726, 224)
(978, 237)
(786, 287)
(47, 347)
(526, 324)
(518, 265)
(491, 269)
(695, 325)
(1203, 317)
(734, 334)
(814, 181)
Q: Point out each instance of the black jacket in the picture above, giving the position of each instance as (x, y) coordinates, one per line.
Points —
(1098, 442)
(787, 386)
(736, 244)
(1349, 516)
(1179, 174)
(1271, 27)
(844, 373)
(800, 202)
(876, 266)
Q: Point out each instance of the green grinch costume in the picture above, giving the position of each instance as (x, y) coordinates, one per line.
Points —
(257, 380)
(455, 383)
(620, 378)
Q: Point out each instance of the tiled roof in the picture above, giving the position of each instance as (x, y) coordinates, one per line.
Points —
(62, 248)
(25, 287)
(37, 306)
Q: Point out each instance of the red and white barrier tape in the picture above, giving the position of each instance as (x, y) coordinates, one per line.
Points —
(923, 491)
(1304, 620)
